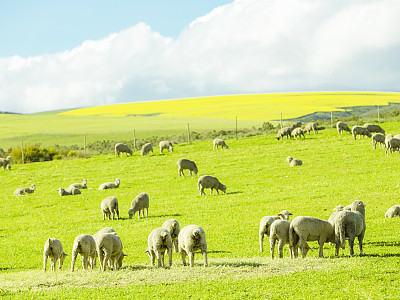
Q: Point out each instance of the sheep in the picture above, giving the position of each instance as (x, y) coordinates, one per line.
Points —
(24, 191)
(173, 227)
(140, 203)
(333, 215)
(311, 127)
(82, 185)
(303, 229)
(109, 249)
(297, 132)
(53, 249)
(5, 163)
(265, 225)
(393, 211)
(360, 131)
(109, 206)
(122, 148)
(350, 224)
(219, 142)
(340, 126)
(110, 185)
(374, 128)
(184, 163)
(146, 148)
(294, 161)
(295, 125)
(166, 145)
(69, 191)
(159, 242)
(103, 231)
(387, 139)
(190, 239)
(285, 131)
(378, 138)
(207, 181)
(85, 246)
(393, 144)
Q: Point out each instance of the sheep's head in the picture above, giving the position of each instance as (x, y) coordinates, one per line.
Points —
(61, 191)
(63, 255)
(358, 205)
(196, 234)
(9, 158)
(289, 159)
(33, 187)
(117, 181)
(84, 181)
(119, 262)
(285, 215)
(222, 187)
(195, 170)
(338, 208)
(131, 213)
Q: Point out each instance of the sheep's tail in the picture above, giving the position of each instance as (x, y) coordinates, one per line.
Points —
(342, 236)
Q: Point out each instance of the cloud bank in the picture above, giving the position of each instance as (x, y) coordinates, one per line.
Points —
(248, 46)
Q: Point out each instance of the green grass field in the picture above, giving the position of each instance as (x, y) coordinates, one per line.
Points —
(336, 170)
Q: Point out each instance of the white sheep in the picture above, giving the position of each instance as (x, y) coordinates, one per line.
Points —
(173, 227)
(207, 181)
(24, 191)
(192, 238)
(279, 232)
(82, 185)
(140, 203)
(285, 131)
(341, 126)
(393, 144)
(393, 211)
(374, 128)
(219, 143)
(159, 242)
(103, 231)
(166, 145)
(109, 249)
(304, 229)
(109, 206)
(297, 132)
(265, 225)
(85, 246)
(387, 139)
(360, 131)
(68, 191)
(295, 125)
(294, 161)
(350, 224)
(6, 163)
(186, 164)
(122, 148)
(110, 185)
(333, 215)
(311, 127)
(53, 249)
(146, 148)
(378, 138)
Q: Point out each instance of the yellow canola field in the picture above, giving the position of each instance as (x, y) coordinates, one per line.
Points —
(244, 107)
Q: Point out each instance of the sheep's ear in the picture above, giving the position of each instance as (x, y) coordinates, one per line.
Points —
(290, 214)
(123, 254)
(280, 215)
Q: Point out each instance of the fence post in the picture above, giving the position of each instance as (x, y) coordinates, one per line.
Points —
(188, 132)
(134, 139)
(84, 144)
(378, 115)
(22, 152)
(236, 128)
(281, 121)
(331, 118)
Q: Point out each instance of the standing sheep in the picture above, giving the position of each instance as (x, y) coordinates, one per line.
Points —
(191, 239)
(6, 163)
(122, 148)
(297, 132)
(311, 127)
(159, 242)
(374, 128)
(53, 249)
(24, 191)
(146, 148)
(211, 182)
(184, 164)
(166, 145)
(378, 138)
(393, 144)
(285, 131)
(68, 191)
(265, 225)
(294, 162)
(333, 215)
(173, 227)
(82, 185)
(393, 211)
(85, 246)
(109, 248)
(295, 125)
(110, 185)
(140, 203)
(341, 126)
(387, 140)
(109, 206)
(360, 131)
(219, 142)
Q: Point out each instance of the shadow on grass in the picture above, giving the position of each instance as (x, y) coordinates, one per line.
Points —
(218, 251)
(383, 244)
(238, 264)
(152, 216)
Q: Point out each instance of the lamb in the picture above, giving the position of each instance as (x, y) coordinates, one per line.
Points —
(387, 139)
(159, 242)
(140, 203)
(186, 164)
(360, 131)
(53, 249)
(68, 191)
(207, 181)
(350, 224)
(109, 249)
(110, 185)
(190, 239)
(340, 126)
(173, 227)
(294, 161)
(311, 127)
(219, 142)
(122, 148)
(295, 125)
(285, 131)
(109, 206)
(166, 145)
(393, 144)
(374, 128)
(303, 229)
(392, 212)
(297, 132)
(82, 185)
(5, 163)
(85, 246)
(332, 217)
(24, 191)
(146, 148)
(265, 225)
(378, 138)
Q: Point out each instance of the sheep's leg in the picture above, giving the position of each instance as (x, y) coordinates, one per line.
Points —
(261, 239)
(44, 262)
(158, 254)
(272, 241)
(183, 255)
(302, 248)
(53, 264)
(321, 248)
(170, 256)
(281, 244)
(191, 258)
(117, 213)
(85, 262)
(104, 215)
(176, 245)
(351, 245)
(74, 254)
(106, 258)
(204, 252)
(152, 257)
(113, 213)
(360, 244)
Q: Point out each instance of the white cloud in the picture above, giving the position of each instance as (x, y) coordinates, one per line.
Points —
(248, 46)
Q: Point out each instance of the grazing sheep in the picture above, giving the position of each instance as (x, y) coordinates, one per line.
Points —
(140, 203)
(82, 185)
(122, 148)
(285, 131)
(297, 132)
(303, 229)
(393, 144)
(311, 127)
(360, 131)
(69, 191)
(24, 191)
(378, 138)
(186, 164)
(110, 185)
(295, 125)
(387, 139)
(166, 145)
(85, 246)
(392, 212)
(265, 225)
(340, 126)
(146, 148)
(173, 227)
(219, 142)
(109, 206)
(207, 181)
(5, 163)
(192, 238)
(374, 128)
(294, 161)
(350, 224)
(53, 249)
(159, 242)
(332, 217)
(109, 249)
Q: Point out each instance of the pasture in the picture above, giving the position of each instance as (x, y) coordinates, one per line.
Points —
(336, 170)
